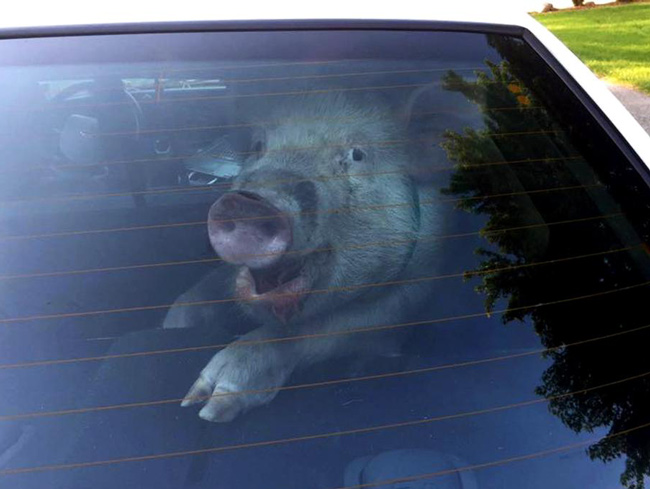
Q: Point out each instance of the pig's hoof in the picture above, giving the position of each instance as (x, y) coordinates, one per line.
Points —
(222, 404)
(222, 408)
(233, 383)
(201, 391)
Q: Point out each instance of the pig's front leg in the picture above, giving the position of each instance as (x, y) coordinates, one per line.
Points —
(244, 375)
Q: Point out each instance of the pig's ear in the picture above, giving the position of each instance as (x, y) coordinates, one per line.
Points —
(255, 116)
(424, 128)
(257, 143)
(416, 103)
(407, 109)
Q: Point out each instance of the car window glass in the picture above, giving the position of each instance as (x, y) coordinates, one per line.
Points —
(326, 259)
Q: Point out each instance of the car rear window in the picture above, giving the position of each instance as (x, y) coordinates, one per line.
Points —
(316, 259)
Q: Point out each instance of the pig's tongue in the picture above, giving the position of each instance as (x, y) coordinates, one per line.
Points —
(280, 288)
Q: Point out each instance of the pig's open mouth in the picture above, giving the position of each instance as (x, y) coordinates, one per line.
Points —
(280, 287)
(278, 277)
(249, 231)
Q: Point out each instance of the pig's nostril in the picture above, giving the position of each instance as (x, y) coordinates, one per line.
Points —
(227, 227)
(269, 228)
(245, 228)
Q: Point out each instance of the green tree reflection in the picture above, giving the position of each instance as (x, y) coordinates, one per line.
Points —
(534, 123)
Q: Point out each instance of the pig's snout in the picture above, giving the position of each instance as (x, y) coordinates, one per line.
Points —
(245, 229)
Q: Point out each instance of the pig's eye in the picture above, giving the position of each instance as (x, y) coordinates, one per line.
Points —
(357, 154)
(258, 150)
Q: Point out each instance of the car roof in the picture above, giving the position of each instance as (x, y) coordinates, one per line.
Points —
(125, 12)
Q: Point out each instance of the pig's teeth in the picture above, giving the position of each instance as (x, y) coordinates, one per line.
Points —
(245, 285)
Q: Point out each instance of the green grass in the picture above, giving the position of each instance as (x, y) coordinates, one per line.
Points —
(613, 41)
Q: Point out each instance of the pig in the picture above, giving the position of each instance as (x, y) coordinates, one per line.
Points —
(325, 210)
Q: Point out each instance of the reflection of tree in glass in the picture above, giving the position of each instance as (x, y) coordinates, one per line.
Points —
(531, 123)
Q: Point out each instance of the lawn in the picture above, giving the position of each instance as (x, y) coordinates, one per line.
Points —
(614, 41)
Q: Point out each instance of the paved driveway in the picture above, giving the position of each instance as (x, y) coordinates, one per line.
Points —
(636, 102)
